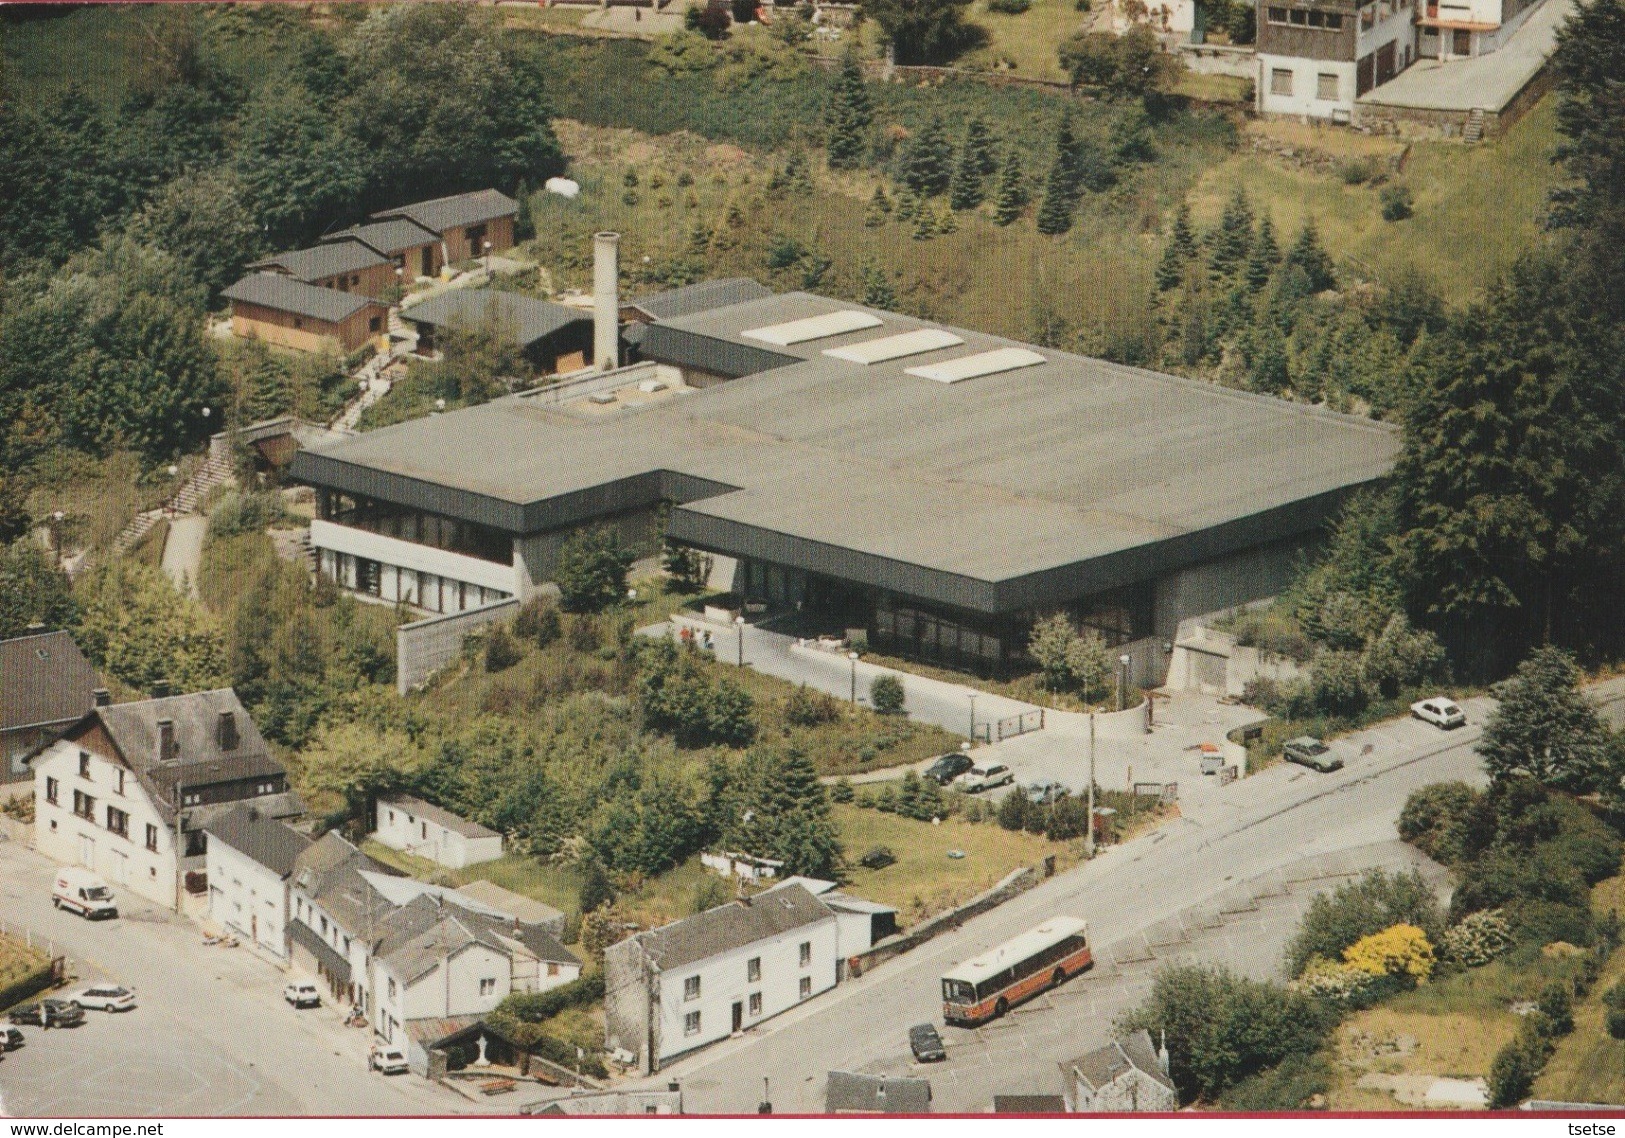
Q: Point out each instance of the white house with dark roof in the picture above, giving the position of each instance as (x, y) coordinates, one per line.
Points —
(1125, 1076)
(251, 857)
(423, 829)
(130, 789)
(673, 989)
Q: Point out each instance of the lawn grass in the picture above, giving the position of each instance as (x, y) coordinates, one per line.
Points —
(18, 961)
(1589, 1064)
(1451, 1045)
(553, 885)
(1028, 40)
(1476, 208)
(925, 880)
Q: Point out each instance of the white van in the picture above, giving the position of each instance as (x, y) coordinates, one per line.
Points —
(82, 892)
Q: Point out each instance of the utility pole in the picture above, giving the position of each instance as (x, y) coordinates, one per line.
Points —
(1089, 823)
(177, 846)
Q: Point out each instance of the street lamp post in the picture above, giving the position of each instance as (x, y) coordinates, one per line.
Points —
(853, 657)
(739, 627)
(1089, 823)
(1122, 682)
(972, 698)
(56, 535)
(487, 258)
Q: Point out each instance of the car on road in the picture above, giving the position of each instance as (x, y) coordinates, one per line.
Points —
(948, 767)
(1046, 792)
(107, 997)
(302, 994)
(926, 1044)
(49, 1013)
(81, 891)
(1308, 751)
(11, 1039)
(1439, 711)
(387, 1060)
(978, 779)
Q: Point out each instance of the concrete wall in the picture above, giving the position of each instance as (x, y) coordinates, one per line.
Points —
(1219, 59)
(248, 897)
(626, 1000)
(125, 862)
(1248, 575)
(537, 555)
(1015, 882)
(1304, 99)
(425, 646)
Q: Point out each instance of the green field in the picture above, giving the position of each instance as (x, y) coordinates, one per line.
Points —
(1476, 207)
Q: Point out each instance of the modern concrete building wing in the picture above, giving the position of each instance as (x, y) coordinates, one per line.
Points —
(857, 483)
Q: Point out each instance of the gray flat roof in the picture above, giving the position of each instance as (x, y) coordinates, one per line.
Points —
(530, 319)
(689, 299)
(986, 493)
(441, 214)
(1489, 81)
(285, 294)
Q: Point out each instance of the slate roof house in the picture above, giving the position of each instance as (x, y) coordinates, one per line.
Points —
(465, 223)
(423, 829)
(939, 487)
(127, 782)
(282, 310)
(673, 989)
(46, 684)
(552, 337)
(408, 246)
(1126, 1075)
(346, 265)
(848, 1092)
(250, 858)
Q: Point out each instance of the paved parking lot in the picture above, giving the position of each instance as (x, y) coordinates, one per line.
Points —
(211, 1034)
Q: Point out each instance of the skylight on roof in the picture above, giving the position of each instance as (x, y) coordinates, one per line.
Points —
(813, 327)
(982, 363)
(896, 347)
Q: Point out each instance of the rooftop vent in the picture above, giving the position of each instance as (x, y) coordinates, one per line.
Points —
(896, 347)
(813, 327)
(982, 363)
(601, 398)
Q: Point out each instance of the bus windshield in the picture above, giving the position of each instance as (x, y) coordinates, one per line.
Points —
(958, 992)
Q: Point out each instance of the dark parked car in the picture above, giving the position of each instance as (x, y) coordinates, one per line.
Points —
(948, 767)
(10, 1039)
(1312, 753)
(49, 1013)
(926, 1044)
(878, 858)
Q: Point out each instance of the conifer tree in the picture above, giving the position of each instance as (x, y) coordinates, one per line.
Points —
(524, 226)
(879, 207)
(926, 165)
(1066, 145)
(1181, 251)
(965, 192)
(1266, 254)
(979, 145)
(925, 222)
(1234, 238)
(1012, 194)
(877, 288)
(1308, 255)
(849, 116)
(908, 204)
(1055, 210)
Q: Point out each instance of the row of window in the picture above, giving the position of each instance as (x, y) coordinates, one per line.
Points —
(1306, 18)
(753, 972)
(691, 1020)
(1326, 83)
(84, 806)
(119, 773)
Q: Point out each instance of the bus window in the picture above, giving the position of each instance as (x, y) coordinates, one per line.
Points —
(957, 991)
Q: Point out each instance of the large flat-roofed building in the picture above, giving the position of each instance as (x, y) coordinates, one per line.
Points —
(937, 486)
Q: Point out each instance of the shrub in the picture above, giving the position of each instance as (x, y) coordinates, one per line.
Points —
(886, 694)
(1435, 820)
(1009, 7)
(1402, 951)
(1360, 908)
(1513, 1071)
(1290, 1085)
(1477, 940)
(1330, 980)
(596, 889)
(538, 621)
(806, 707)
(1396, 203)
(1616, 1022)
(1013, 810)
(1357, 171)
(841, 791)
(708, 894)
(1556, 1003)
(1338, 685)
(534, 1007)
(238, 513)
(1401, 657)
(501, 650)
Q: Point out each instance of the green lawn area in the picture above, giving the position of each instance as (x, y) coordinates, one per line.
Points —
(1028, 40)
(550, 884)
(18, 961)
(1589, 1065)
(925, 880)
(1477, 207)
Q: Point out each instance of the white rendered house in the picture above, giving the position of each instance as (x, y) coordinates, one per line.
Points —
(414, 826)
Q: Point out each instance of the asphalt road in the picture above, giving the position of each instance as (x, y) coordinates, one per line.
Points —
(1282, 820)
(211, 1035)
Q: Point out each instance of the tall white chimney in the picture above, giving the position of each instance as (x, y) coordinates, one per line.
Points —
(606, 301)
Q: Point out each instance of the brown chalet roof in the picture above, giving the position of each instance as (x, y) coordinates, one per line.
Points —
(44, 679)
(441, 214)
(285, 294)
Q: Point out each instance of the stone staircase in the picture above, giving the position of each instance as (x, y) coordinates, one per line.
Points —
(217, 471)
(1474, 130)
(372, 384)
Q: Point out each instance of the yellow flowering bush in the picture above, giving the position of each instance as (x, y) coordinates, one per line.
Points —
(1399, 950)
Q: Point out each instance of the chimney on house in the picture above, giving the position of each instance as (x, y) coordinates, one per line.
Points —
(160, 689)
(606, 301)
(102, 697)
(166, 740)
(225, 730)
